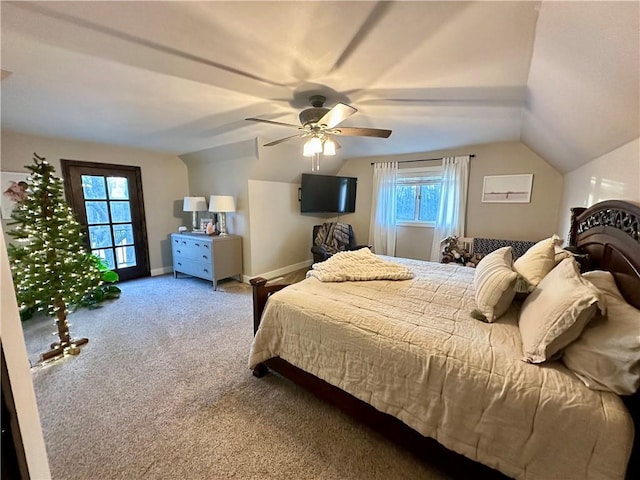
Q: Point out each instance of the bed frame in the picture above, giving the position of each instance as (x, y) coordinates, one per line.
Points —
(608, 232)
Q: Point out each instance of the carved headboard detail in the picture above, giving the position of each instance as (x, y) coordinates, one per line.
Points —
(624, 221)
(610, 232)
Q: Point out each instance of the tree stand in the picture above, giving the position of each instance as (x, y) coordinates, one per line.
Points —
(66, 345)
(58, 349)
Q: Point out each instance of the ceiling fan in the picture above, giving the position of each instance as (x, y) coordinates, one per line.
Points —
(320, 124)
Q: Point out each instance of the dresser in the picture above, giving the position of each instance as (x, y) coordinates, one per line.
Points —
(208, 257)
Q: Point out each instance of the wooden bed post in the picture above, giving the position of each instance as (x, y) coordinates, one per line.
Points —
(259, 300)
(573, 229)
(261, 293)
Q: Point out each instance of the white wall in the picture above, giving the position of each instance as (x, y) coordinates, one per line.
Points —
(615, 175)
(164, 180)
(15, 353)
(278, 229)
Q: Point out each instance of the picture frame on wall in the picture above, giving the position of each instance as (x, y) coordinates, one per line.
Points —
(507, 188)
(12, 186)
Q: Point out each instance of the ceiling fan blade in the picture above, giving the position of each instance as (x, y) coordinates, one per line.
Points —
(339, 113)
(282, 124)
(361, 132)
(276, 142)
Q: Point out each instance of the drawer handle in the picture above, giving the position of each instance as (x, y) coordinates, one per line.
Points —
(197, 244)
(205, 270)
(205, 257)
(184, 243)
(206, 246)
(179, 251)
(179, 264)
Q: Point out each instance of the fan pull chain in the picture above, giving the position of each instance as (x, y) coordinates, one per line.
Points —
(315, 162)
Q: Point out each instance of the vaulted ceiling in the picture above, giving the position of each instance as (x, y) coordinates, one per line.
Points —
(562, 77)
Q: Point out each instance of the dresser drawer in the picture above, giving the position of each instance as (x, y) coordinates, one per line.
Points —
(194, 249)
(197, 254)
(191, 267)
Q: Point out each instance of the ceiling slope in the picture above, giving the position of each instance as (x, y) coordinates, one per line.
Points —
(181, 77)
(584, 81)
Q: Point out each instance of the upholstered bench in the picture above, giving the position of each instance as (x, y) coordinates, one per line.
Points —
(483, 246)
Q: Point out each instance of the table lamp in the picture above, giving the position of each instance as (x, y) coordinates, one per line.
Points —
(195, 205)
(222, 204)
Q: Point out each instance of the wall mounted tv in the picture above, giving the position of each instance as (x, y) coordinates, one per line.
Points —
(328, 194)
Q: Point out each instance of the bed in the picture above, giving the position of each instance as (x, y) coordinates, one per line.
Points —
(407, 358)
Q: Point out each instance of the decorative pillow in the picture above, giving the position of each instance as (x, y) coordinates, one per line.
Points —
(494, 281)
(538, 260)
(607, 354)
(556, 312)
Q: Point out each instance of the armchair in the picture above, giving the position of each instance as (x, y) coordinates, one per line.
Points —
(330, 238)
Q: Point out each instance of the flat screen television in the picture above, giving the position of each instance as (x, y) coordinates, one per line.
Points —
(328, 194)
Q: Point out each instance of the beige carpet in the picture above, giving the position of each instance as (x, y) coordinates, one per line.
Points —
(162, 391)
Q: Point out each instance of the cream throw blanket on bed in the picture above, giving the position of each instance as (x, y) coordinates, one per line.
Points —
(359, 264)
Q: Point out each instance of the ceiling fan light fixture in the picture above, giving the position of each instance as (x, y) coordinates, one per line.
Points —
(329, 147)
(318, 126)
(312, 146)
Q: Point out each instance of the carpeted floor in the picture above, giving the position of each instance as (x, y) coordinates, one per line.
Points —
(162, 391)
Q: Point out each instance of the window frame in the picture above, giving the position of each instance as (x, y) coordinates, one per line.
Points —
(426, 172)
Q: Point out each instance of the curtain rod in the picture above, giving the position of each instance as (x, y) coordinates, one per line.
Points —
(423, 159)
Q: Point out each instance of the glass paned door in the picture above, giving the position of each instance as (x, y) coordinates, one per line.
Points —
(108, 200)
(113, 242)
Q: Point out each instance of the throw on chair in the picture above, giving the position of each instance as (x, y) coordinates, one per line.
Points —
(330, 238)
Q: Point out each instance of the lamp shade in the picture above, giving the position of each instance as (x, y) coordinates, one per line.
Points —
(312, 146)
(194, 204)
(329, 147)
(221, 204)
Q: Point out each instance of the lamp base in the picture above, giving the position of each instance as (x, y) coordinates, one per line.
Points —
(223, 224)
(195, 221)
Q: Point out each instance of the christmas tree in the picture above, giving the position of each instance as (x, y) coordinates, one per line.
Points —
(52, 269)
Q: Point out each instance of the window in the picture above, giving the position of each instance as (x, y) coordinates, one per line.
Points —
(418, 196)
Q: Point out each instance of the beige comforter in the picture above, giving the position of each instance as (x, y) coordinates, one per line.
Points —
(410, 349)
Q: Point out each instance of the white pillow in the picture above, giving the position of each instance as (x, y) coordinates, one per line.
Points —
(607, 354)
(494, 282)
(556, 312)
(538, 260)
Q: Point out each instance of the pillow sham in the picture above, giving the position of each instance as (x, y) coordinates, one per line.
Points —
(494, 281)
(538, 260)
(607, 354)
(556, 312)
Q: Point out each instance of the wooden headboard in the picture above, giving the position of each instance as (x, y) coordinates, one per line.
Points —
(608, 232)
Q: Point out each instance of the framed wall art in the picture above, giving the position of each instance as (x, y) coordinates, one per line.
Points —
(13, 186)
(507, 188)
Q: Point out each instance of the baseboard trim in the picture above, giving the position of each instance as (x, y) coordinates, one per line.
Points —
(280, 271)
(161, 271)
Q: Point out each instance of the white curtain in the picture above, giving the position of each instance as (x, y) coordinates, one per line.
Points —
(453, 202)
(382, 229)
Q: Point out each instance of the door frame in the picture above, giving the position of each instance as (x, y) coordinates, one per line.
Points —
(72, 195)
